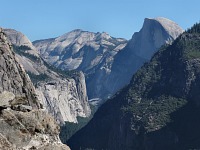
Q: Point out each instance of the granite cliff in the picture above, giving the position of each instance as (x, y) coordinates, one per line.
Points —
(62, 93)
(154, 33)
(23, 124)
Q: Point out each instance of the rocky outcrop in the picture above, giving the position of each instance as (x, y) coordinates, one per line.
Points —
(29, 130)
(92, 53)
(13, 77)
(64, 97)
(23, 124)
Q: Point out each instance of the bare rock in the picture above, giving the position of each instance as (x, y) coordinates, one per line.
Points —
(6, 97)
(28, 129)
(5, 144)
(13, 78)
(19, 39)
(65, 99)
(29, 126)
(92, 53)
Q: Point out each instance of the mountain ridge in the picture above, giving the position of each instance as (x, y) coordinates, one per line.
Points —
(82, 50)
(159, 109)
(95, 54)
(138, 51)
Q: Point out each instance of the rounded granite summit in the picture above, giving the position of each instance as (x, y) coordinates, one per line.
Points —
(170, 26)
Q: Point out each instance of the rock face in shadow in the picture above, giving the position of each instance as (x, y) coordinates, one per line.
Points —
(159, 109)
(154, 33)
(23, 124)
(62, 94)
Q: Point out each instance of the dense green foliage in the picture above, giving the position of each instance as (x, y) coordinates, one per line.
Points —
(37, 78)
(64, 73)
(192, 46)
(22, 47)
(159, 109)
(70, 128)
(158, 86)
(194, 29)
(22, 50)
(190, 41)
(154, 113)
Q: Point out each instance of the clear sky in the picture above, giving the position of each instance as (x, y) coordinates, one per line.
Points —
(40, 19)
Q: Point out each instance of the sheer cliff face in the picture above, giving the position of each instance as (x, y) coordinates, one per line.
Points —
(160, 107)
(107, 62)
(154, 33)
(13, 77)
(23, 125)
(65, 98)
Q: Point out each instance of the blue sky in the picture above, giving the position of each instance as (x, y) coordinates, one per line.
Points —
(40, 19)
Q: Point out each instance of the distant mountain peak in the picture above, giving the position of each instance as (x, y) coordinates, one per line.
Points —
(104, 35)
(82, 50)
(154, 33)
(77, 30)
(170, 26)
